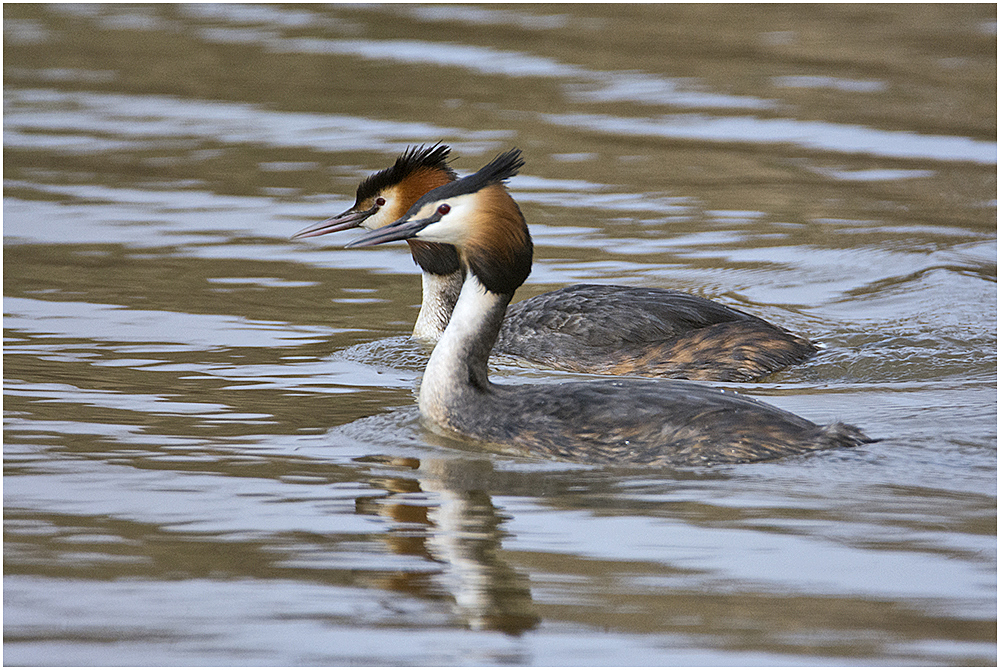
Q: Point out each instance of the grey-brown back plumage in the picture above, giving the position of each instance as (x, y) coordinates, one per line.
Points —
(624, 330)
(639, 422)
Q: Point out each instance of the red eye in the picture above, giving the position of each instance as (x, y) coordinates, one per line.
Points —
(444, 209)
(379, 201)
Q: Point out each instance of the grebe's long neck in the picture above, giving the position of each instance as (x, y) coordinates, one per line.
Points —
(458, 364)
(442, 278)
(440, 293)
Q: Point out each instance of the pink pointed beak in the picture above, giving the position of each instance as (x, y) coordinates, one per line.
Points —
(344, 221)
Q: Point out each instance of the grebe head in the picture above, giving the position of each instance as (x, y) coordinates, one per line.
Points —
(386, 195)
(477, 215)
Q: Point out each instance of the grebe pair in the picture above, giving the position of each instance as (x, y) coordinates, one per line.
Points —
(598, 329)
(598, 421)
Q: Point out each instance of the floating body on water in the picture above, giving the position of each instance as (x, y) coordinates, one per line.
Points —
(629, 421)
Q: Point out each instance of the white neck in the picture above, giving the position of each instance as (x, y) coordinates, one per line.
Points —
(458, 364)
(440, 293)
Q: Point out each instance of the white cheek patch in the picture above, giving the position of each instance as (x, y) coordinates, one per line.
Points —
(378, 219)
(453, 228)
(387, 213)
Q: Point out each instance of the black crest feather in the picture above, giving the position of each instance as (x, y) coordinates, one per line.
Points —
(498, 170)
(413, 159)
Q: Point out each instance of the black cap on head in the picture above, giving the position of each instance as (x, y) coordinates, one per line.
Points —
(433, 157)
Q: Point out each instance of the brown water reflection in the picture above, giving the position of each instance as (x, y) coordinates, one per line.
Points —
(445, 517)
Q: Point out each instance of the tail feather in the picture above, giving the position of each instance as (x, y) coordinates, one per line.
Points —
(844, 435)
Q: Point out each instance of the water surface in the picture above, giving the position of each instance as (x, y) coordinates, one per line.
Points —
(212, 453)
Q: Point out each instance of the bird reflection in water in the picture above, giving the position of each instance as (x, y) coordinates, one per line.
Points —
(444, 515)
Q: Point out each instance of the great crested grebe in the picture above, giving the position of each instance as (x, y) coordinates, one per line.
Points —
(599, 329)
(655, 422)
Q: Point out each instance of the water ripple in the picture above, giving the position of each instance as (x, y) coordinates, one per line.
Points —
(822, 135)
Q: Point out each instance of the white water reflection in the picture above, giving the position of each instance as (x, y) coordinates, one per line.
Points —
(871, 175)
(582, 84)
(835, 83)
(184, 332)
(269, 15)
(483, 60)
(85, 121)
(648, 89)
(817, 135)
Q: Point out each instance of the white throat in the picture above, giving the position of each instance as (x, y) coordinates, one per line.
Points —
(458, 363)
(440, 293)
